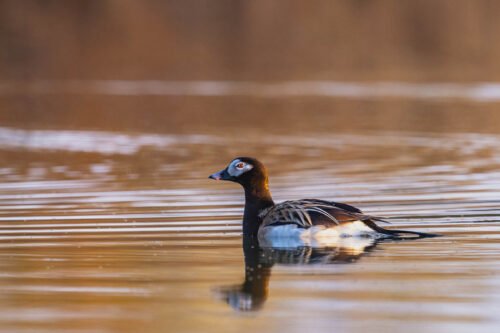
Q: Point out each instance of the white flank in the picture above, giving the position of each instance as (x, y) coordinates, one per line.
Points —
(354, 235)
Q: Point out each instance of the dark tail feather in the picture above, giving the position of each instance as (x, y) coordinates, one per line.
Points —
(399, 234)
(366, 218)
(379, 219)
(403, 233)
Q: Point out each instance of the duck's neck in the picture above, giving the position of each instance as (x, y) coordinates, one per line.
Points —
(257, 198)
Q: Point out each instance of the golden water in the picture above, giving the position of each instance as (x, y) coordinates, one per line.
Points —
(105, 229)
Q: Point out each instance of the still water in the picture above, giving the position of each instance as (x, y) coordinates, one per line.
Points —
(106, 230)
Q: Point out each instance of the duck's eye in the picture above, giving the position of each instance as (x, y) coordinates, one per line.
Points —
(240, 165)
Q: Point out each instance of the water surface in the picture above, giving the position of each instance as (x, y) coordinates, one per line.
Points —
(120, 231)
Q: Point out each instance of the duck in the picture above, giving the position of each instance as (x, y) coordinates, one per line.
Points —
(310, 221)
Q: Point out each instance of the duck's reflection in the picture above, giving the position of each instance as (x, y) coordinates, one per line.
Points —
(253, 292)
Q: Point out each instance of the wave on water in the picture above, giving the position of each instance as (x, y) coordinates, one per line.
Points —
(90, 141)
(477, 92)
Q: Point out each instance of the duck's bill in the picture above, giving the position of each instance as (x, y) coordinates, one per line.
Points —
(221, 175)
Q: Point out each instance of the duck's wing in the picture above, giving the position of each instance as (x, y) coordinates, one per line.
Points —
(341, 205)
(310, 212)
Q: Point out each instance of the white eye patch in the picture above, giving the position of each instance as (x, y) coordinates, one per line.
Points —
(237, 168)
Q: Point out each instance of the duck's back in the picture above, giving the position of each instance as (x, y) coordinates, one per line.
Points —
(307, 213)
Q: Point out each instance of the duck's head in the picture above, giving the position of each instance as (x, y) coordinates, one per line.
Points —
(247, 171)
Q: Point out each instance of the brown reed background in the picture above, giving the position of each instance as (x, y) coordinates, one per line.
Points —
(262, 41)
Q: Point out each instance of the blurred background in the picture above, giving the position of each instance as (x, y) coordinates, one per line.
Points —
(157, 63)
(114, 112)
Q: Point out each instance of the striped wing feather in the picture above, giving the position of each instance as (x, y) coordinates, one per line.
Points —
(308, 212)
